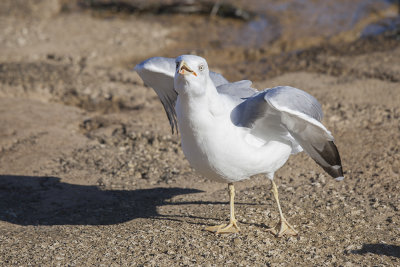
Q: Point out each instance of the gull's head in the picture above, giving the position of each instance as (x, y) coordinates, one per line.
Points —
(191, 75)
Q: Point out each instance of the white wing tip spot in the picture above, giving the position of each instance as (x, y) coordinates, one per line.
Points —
(340, 178)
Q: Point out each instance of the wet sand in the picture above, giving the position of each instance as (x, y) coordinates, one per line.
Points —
(91, 175)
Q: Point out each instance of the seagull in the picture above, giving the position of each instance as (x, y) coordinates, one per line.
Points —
(231, 131)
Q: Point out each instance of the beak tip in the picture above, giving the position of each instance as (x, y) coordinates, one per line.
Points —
(184, 69)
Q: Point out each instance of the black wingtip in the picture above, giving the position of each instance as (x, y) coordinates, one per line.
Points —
(171, 115)
(335, 171)
(331, 155)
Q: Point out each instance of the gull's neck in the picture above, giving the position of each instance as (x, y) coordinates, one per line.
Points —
(208, 103)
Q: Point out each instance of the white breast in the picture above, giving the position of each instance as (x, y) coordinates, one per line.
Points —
(223, 152)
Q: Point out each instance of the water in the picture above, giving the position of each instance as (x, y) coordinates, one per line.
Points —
(381, 27)
(275, 26)
(281, 25)
(310, 21)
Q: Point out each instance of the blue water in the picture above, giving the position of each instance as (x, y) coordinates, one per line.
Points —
(294, 19)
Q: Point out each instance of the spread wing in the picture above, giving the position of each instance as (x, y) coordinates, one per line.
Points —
(158, 73)
(237, 92)
(294, 114)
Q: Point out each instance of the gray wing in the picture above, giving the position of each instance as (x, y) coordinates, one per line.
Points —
(158, 73)
(217, 79)
(295, 115)
(240, 89)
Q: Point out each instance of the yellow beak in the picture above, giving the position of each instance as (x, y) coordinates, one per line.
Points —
(184, 69)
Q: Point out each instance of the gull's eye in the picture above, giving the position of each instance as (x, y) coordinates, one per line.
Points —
(177, 65)
(201, 67)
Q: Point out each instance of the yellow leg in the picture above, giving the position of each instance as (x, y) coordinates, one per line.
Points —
(231, 227)
(283, 227)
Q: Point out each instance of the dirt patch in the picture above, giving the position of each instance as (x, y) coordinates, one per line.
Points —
(90, 173)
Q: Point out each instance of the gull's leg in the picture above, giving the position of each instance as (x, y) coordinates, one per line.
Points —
(231, 227)
(283, 227)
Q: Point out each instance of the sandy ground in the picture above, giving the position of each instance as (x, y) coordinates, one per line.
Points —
(91, 175)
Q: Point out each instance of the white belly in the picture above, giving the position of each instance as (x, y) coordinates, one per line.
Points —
(221, 151)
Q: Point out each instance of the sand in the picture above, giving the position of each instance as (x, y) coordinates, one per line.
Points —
(90, 173)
